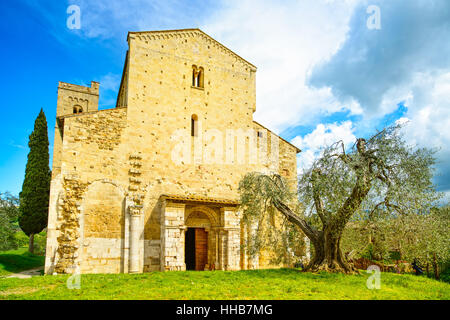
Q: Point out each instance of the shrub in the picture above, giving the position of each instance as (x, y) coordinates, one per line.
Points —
(445, 276)
(20, 239)
(6, 233)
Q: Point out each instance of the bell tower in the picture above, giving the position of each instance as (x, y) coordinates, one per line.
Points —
(72, 100)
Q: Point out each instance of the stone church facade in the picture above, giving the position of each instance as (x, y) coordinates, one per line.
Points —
(152, 184)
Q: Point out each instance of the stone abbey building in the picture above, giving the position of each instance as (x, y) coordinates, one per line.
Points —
(152, 184)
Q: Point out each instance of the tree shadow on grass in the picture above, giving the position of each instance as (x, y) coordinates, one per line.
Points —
(20, 262)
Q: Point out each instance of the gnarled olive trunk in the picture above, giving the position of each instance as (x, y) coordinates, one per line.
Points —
(327, 252)
(328, 255)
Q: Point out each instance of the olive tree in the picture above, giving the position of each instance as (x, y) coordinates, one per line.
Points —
(381, 175)
(421, 237)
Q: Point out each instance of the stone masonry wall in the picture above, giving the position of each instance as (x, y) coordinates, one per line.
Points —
(91, 210)
(155, 118)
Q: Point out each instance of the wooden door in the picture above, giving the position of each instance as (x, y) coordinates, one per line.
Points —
(201, 248)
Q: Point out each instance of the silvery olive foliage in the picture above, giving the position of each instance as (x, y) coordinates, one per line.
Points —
(265, 229)
(378, 177)
(423, 237)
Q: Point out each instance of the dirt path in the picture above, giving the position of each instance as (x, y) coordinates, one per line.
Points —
(27, 273)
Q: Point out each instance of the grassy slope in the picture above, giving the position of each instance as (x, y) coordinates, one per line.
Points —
(19, 260)
(256, 284)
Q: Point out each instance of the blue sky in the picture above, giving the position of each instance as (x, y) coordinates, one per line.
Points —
(335, 77)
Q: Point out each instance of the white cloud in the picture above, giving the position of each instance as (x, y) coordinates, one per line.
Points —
(413, 39)
(285, 41)
(402, 121)
(296, 44)
(312, 144)
(407, 60)
(429, 115)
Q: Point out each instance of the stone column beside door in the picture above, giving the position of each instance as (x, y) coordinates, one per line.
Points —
(172, 236)
(135, 219)
(231, 228)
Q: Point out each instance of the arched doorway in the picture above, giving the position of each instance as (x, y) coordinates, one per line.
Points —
(218, 218)
(196, 249)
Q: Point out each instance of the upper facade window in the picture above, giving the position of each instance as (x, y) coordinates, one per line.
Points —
(194, 125)
(77, 109)
(198, 76)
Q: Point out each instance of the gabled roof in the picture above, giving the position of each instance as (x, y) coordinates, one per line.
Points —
(193, 31)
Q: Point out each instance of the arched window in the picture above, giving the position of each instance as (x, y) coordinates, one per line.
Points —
(77, 109)
(194, 125)
(197, 76)
(201, 74)
(194, 75)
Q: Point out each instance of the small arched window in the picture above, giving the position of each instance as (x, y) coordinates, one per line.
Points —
(200, 77)
(194, 125)
(77, 109)
(194, 75)
(197, 76)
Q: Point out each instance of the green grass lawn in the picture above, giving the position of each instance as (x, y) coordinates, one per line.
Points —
(251, 284)
(18, 260)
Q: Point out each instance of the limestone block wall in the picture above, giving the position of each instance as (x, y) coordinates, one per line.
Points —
(103, 255)
(103, 226)
(52, 231)
(86, 208)
(287, 155)
(152, 255)
(68, 236)
(233, 249)
(172, 242)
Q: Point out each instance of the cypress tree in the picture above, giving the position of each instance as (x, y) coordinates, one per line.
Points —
(35, 193)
